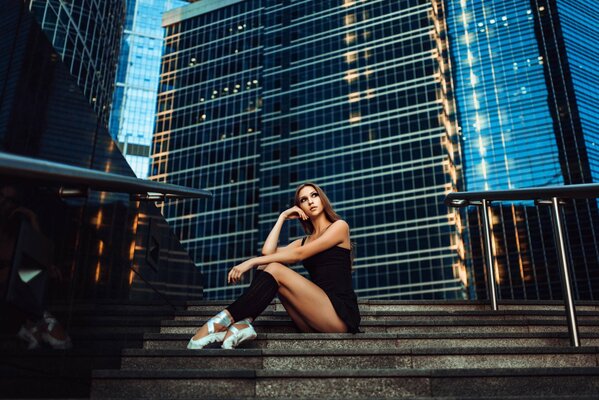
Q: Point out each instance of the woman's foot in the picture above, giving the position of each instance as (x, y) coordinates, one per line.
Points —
(53, 333)
(30, 334)
(213, 331)
(238, 333)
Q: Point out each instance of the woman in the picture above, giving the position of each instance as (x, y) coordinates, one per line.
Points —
(327, 303)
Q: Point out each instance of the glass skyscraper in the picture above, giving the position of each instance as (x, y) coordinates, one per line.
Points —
(575, 25)
(526, 82)
(502, 96)
(86, 35)
(134, 104)
(259, 96)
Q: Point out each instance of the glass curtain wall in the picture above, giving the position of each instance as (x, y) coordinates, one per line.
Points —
(259, 96)
(518, 118)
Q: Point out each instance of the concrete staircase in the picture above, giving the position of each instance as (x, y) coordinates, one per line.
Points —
(407, 349)
(99, 332)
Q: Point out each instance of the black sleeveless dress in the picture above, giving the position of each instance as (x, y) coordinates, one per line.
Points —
(331, 271)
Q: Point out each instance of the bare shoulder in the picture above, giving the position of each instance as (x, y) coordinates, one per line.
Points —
(342, 233)
(340, 228)
(340, 224)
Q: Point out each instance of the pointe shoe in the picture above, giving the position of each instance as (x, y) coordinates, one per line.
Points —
(54, 334)
(222, 318)
(197, 344)
(30, 336)
(239, 336)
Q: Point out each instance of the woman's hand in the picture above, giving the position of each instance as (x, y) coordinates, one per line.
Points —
(294, 213)
(237, 271)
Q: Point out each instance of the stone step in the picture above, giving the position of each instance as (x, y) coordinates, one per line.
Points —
(93, 340)
(564, 397)
(115, 308)
(346, 384)
(431, 358)
(382, 305)
(125, 311)
(109, 304)
(199, 317)
(460, 325)
(78, 361)
(60, 383)
(148, 318)
(153, 308)
(84, 332)
(202, 316)
(124, 320)
(298, 341)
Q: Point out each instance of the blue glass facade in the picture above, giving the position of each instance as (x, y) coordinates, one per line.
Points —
(134, 102)
(582, 54)
(504, 117)
(259, 96)
(522, 104)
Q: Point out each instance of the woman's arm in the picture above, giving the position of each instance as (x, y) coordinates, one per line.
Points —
(270, 244)
(336, 234)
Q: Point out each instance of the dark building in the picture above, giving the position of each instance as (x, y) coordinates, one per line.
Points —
(64, 248)
(259, 96)
(526, 84)
(86, 36)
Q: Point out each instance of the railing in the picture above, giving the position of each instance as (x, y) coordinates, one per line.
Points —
(545, 195)
(75, 181)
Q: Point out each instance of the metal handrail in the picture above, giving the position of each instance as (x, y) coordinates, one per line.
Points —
(583, 191)
(542, 195)
(76, 181)
(50, 172)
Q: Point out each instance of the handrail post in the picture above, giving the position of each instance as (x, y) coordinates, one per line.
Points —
(489, 253)
(580, 191)
(565, 275)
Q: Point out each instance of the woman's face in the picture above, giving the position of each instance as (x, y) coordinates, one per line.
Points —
(310, 202)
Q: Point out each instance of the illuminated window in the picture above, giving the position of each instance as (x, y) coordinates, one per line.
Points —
(350, 19)
(351, 57)
(354, 117)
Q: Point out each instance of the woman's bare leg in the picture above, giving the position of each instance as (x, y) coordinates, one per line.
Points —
(295, 315)
(309, 300)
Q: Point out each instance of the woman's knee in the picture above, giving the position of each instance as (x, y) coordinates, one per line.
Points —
(274, 268)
